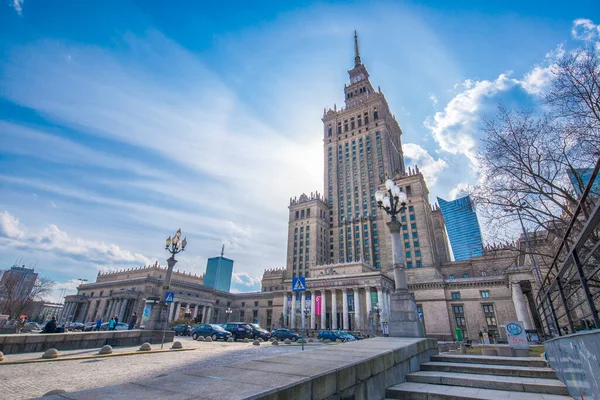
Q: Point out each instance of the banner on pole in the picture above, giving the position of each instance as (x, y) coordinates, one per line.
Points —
(318, 306)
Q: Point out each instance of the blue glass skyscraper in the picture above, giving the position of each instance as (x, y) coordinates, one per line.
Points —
(218, 273)
(463, 227)
(580, 178)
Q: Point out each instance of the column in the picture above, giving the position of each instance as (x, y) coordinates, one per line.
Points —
(105, 309)
(208, 312)
(345, 309)
(204, 315)
(302, 313)
(122, 309)
(323, 309)
(176, 316)
(113, 306)
(170, 312)
(388, 299)
(195, 314)
(380, 301)
(368, 304)
(293, 312)
(313, 321)
(334, 325)
(357, 309)
(521, 305)
(285, 309)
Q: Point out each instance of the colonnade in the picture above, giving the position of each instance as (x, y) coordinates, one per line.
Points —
(175, 310)
(359, 319)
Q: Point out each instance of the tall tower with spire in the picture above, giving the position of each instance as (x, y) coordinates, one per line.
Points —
(362, 147)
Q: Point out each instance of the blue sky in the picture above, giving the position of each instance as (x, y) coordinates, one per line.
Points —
(121, 121)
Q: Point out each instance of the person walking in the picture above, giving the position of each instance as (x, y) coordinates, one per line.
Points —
(112, 324)
(50, 326)
(133, 321)
(98, 324)
(116, 320)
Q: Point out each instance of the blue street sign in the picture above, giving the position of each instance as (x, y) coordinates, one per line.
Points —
(299, 284)
(169, 297)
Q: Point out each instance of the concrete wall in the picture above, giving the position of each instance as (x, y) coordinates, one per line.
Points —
(576, 359)
(39, 342)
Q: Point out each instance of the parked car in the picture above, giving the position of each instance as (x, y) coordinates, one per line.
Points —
(335, 335)
(214, 331)
(121, 326)
(239, 330)
(356, 335)
(71, 326)
(282, 334)
(33, 326)
(89, 326)
(260, 332)
(182, 330)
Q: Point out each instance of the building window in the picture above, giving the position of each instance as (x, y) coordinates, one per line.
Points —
(465, 275)
(242, 315)
(419, 264)
(456, 295)
(409, 265)
(451, 276)
(490, 319)
(459, 318)
(408, 255)
(485, 294)
(270, 303)
(243, 304)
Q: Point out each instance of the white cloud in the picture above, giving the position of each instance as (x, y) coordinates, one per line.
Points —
(53, 204)
(10, 226)
(460, 190)
(454, 128)
(243, 278)
(18, 6)
(427, 164)
(53, 239)
(536, 80)
(433, 99)
(585, 29)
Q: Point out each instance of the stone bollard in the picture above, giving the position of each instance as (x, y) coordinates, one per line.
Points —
(260, 340)
(177, 345)
(256, 343)
(208, 339)
(246, 340)
(145, 347)
(338, 341)
(200, 339)
(50, 353)
(1, 356)
(326, 341)
(287, 341)
(107, 349)
(275, 343)
(230, 339)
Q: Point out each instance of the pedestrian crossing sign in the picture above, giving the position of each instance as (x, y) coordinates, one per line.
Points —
(299, 284)
(169, 297)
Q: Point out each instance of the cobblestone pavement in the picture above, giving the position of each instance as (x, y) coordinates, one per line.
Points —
(24, 381)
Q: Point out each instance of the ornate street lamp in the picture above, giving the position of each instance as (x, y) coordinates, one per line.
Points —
(306, 312)
(228, 312)
(403, 317)
(377, 322)
(159, 317)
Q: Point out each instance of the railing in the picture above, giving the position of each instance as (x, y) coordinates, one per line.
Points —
(569, 297)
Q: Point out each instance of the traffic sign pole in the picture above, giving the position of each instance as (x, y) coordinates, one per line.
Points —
(169, 297)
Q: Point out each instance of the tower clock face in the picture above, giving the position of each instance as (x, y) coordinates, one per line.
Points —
(357, 79)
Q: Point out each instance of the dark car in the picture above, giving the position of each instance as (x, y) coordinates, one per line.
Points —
(182, 330)
(239, 330)
(356, 335)
(260, 332)
(335, 335)
(212, 330)
(282, 334)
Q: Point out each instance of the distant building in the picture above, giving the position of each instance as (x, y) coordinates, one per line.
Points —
(19, 281)
(463, 228)
(218, 272)
(580, 177)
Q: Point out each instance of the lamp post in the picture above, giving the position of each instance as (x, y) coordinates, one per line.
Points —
(403, 317)
(306, 312)
(376, 311)
(228, 312)
(159, 318)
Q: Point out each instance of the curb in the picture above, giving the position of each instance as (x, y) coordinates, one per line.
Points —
(128, 353)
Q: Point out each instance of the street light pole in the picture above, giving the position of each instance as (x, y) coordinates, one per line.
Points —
(228, 312)
(159, 317)
(403, 318)
(306, 311)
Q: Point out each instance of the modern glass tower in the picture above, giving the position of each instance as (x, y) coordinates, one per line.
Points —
(580, 178)
(218, 272)
(463, 227)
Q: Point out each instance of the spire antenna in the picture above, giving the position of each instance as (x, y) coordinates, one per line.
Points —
(357, 61)
(223, 250)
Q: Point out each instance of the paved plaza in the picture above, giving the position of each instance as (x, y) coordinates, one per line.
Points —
(24, 381)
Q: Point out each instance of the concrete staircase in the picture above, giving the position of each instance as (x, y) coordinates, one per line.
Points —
(452, 376)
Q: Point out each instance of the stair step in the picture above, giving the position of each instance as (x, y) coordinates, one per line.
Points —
(515, 361)
(496, 382)
(489, 369)
(425, 391)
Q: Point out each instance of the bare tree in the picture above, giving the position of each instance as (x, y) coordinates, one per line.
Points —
(13, 303)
